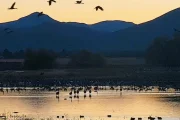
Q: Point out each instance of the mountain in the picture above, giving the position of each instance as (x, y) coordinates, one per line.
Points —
(139, 37)
(45, 32)
(28, 21)
(111, 26)
(32, 32)
(105, 26)
(33, 20)
(78, 24)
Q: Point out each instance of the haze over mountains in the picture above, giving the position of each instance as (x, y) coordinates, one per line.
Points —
(45, 32)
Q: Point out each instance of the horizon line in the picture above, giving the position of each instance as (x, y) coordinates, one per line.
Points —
(90, 23)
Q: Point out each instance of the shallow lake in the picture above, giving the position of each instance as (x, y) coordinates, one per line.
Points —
(123, 105)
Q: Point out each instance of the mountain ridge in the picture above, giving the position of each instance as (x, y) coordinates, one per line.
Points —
(33, 20)
(57, 35)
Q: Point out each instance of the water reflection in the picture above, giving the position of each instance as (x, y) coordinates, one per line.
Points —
(121, 105)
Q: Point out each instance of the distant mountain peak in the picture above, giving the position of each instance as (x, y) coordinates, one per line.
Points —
(112, 25)
(35, 15)
(45, 32)
(28, 21)
(114, 21)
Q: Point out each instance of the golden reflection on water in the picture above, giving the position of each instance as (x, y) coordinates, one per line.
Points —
(101, 104)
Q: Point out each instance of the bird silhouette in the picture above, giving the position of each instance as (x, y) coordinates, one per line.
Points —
(176, 30)
(99, 8)
(79, 2)
(6, 29)
(40, 14)
(8, 32)
(12, 7)
(50, 2)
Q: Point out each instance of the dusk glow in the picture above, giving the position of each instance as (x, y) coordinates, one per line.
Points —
(136, 11)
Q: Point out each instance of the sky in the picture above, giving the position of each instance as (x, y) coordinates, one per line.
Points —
(137, 11)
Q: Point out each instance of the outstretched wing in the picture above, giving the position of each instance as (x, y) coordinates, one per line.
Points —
(6, 29)
(53, 1)
(13, 5)
(9, 32)
(40, 14)
(49, 2)
(101, 8)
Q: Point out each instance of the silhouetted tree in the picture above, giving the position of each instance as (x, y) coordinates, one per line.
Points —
(40, 59)
(19, 54)
(86, 59)
(164, 52)
(7, 54)
(155, 53)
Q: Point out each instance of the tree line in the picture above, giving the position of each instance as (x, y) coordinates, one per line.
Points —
(20, 54)
(164, 51)
(46, 59)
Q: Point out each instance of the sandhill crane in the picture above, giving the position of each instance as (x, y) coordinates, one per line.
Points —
(70, 98)
(65, 89)
(12, 7)
(139, 118)
(50, 2)
(176, 30)
(8, 32)
(84, 91)
(99, 8)
(159, 118)
(7, 90)
(57, 93)
(12, 89)
(81, 116)
(70, 93)
(90, 96)
(75, 91)
(84, 96)
(74, 96)
(132, 118)
(1, 90)
(40, 14)
(151, 118)
(7, 29)
(79, 2)
(90, 91)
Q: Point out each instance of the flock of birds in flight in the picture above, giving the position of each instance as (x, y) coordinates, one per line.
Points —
(8, 30)
(54, 1)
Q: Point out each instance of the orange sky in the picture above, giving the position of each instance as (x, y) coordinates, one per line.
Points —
(136, 11)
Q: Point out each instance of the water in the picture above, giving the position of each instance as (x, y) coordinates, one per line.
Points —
(120, 106)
